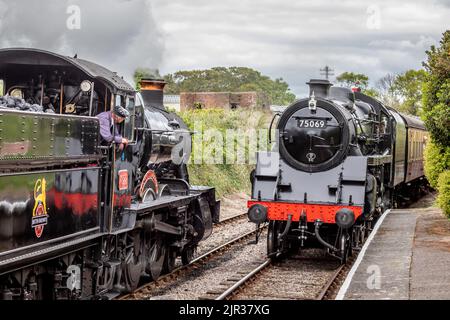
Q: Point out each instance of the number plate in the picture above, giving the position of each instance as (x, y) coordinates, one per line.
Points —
(311, 123)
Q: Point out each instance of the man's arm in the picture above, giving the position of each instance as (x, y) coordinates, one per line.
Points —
(105, 130)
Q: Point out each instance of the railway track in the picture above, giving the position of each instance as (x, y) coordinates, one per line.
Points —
(299, 279)
(198, 262)
(303, 278)
(229, 220)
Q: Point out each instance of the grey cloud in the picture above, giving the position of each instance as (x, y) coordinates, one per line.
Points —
(120, 34)
(294, 39)
(289, 39)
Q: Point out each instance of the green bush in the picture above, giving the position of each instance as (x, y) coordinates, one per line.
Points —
(437, 160)
(226, 178)
(443, 199)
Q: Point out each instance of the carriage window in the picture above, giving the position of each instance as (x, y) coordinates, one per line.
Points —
(2, 87)
(129, 122)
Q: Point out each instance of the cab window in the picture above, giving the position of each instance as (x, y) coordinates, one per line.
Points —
(130, 121)
(384, 129)
(120, 101)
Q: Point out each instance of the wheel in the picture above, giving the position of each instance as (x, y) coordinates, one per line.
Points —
(344, 248)
(365, 232)
(356, 233)
(350, 243)
(272, 243)
(133, 271)
(187, 255)
(274, 246)
(156, 257)
(169, 261)
(133, 263)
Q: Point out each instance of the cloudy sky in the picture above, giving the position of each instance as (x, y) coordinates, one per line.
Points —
(288, 39)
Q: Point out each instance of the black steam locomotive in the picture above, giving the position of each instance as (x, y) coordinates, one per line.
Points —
(80, 219)
(342, 159)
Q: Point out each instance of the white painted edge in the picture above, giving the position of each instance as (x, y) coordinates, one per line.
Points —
(348, 280)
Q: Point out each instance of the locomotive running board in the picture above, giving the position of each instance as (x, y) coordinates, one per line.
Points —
(28, 259)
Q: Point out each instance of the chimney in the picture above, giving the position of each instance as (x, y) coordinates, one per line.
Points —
(321, 88)
(152, 91)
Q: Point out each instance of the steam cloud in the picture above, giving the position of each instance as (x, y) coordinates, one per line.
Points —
(119, 34)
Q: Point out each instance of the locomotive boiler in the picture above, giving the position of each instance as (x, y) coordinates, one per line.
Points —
(80, 218)
(341, 158)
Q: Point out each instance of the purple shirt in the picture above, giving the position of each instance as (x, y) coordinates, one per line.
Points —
(106, 124)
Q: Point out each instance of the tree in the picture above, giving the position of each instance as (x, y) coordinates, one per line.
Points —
(349, 79)
(436, 94)
(140, 73)
(233, 79)
(386, 92)
(436, 114)
(402, 92)
(372, 92)
(408, 87)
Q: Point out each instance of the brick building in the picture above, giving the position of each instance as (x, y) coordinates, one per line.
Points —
(223, 100)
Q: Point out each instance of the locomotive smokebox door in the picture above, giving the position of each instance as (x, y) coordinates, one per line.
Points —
(203, 220)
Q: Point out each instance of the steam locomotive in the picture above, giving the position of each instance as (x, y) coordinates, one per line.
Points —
(340, 160)
(80, 219)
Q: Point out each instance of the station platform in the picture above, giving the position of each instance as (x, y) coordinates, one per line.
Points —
(407, 257)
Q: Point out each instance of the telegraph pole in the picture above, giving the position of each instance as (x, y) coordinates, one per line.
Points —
(327, 72)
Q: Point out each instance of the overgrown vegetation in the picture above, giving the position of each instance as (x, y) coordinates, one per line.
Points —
(210, 126)
(436, 114)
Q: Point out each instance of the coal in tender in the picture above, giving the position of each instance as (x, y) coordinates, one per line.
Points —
(7, 102)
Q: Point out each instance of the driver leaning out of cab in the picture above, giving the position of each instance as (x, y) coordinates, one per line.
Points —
(109, 131)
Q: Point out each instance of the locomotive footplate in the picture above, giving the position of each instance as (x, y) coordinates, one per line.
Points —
(176, 201)
(164, 202)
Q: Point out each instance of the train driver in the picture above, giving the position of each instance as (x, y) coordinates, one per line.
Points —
(107, 127)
